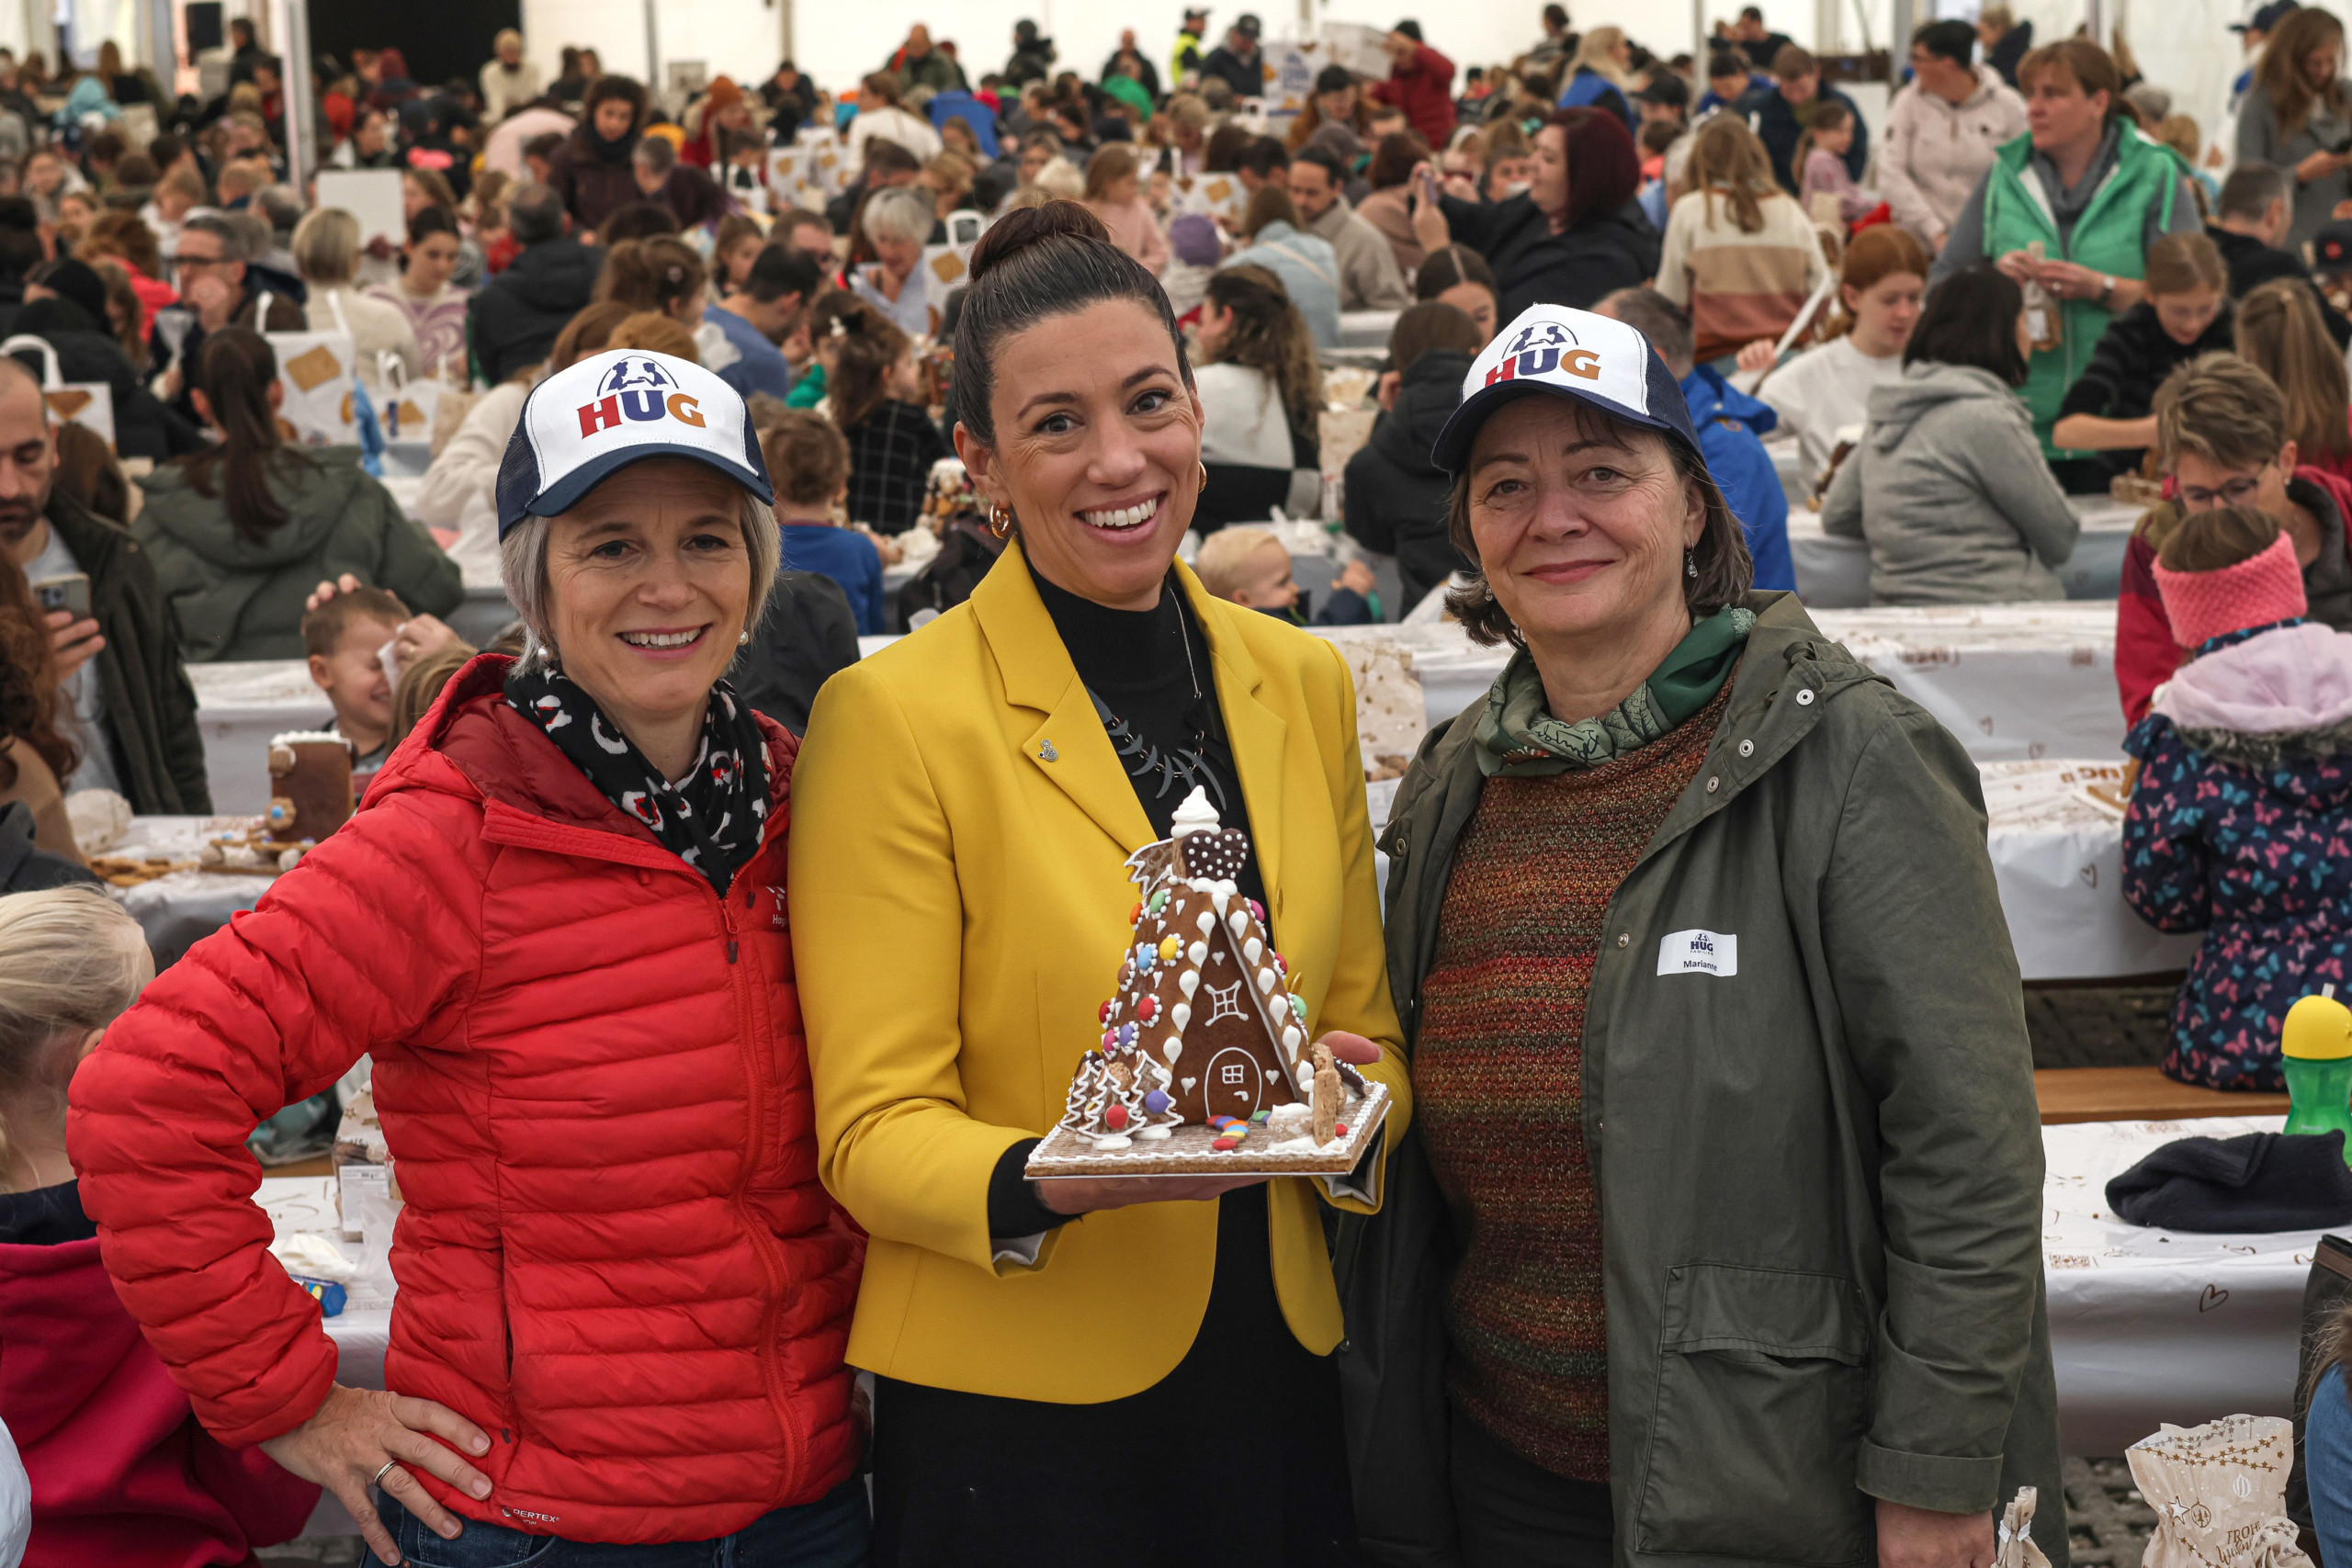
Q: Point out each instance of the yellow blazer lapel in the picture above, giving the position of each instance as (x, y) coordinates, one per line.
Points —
(1069, 746)
(1257, 732)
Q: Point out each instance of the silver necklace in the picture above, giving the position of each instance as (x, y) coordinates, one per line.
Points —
(1187, 768)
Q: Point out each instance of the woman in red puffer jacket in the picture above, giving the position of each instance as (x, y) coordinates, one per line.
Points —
(557, 924)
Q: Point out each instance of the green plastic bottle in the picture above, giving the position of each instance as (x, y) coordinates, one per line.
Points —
(2316, 1047)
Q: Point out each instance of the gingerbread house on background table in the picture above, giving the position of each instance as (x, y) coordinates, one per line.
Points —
(1204, 1026)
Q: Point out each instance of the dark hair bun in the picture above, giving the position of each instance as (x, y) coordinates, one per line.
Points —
(1027, 226)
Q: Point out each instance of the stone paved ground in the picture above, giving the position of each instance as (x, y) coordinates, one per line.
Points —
(2086, 1026)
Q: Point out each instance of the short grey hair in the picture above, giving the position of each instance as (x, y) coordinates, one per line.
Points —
(534, 213)
(1659, 319)
(656, 154)
(230, 234)
(523, 572)
(900, 212)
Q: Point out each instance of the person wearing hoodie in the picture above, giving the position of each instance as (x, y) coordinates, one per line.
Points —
(2244, 796)
(1948, 486)
(2221, 438)
(239, 534)
(1731, 427)
(516, 316)
(1943, 131)
(122, 1471)
(592, 172)
(1393, 498)
(2104, 418)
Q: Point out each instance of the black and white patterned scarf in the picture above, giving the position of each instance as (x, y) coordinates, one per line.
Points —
(712, 819)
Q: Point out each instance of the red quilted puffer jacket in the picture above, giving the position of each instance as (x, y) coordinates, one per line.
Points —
(616, 1258)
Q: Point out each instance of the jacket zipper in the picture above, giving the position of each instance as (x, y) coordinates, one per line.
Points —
(771, 1256)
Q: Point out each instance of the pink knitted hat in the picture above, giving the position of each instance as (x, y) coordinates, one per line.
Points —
(2259, 590)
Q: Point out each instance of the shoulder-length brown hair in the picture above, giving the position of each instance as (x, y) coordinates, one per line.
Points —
(28, 707)
(2280, 334)
(1727, 161)
(2281, 76)
(1724, 568)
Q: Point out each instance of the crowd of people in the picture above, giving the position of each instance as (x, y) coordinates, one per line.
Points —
(683, 1139)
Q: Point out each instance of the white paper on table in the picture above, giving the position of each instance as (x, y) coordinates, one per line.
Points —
(372, 195)
(1361, 49)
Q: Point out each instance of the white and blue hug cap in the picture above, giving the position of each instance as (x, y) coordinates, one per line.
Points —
(613, 409)
(1568, 353)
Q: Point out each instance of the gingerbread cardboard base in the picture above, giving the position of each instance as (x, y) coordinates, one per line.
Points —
(1283, 1144)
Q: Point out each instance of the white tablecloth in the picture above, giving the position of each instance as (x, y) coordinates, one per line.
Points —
(1366, 329)
(1834, 574)
(180, 911)
(2146, 1326)
(2058, 857)
(361, 1335)
(2149, 1326)
(239, 707)
(2014, 682)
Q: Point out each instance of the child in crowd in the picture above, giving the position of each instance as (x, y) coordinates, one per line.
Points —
(744, 179)
(1250, 568)
(877, 402)
(1393, 499)
(2243, 806)
(807, 461)
(121, 1471)
(343, 637)
(1820, 156)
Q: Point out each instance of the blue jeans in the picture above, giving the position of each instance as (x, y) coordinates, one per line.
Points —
(2327, 1463)
(829, 1533)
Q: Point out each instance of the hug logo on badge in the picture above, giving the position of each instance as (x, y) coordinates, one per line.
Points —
(1699, 952)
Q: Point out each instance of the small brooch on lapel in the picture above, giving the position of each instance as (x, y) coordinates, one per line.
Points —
(1047, 753)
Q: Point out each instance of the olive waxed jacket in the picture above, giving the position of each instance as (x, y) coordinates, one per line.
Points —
(1819, 1167)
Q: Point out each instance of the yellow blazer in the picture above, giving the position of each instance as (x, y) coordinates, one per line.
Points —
(958, 913)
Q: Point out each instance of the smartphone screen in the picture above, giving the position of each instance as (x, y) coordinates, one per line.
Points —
(70, 590)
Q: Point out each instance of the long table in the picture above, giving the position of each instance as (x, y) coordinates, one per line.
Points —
(2146, 1326)
(1834, 574)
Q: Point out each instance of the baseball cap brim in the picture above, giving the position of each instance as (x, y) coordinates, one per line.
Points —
(565, 493)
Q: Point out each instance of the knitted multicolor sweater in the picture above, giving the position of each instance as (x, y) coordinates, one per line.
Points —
(1498, 1088)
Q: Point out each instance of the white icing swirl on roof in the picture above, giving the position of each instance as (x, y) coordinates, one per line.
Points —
(1195, 816)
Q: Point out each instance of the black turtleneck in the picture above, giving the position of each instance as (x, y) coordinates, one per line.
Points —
(978, 1468)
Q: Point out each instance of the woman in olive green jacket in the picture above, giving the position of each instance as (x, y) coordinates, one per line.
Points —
(242, 532)
(1716, 1237)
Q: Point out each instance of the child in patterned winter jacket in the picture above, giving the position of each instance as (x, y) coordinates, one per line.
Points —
(2241, 822)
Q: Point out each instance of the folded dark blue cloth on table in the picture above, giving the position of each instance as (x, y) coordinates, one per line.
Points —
(2260, 1181)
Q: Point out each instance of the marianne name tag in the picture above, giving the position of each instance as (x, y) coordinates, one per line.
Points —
(1699, 952)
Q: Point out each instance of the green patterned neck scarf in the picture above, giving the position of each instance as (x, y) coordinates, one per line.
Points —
(1517, 739)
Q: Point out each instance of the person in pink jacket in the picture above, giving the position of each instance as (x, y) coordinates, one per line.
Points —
(1942, 130)
(1115, 193)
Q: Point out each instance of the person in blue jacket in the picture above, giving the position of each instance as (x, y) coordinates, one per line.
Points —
(1731, 427)
(807, 461)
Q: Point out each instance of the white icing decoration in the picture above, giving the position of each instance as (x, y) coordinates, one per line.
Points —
(1180, 1015)
(1207, 922)
(1292, 1147)
(1228, 887)
(1172, 1049)
(1252, 949)
(1189, 982)
(1238, 919)
(1291, 1114)
(1194, 816)
(1265, 979)
(1198, 952)
(1306, 1077)
(1114, 1141)
(1221, 898)
(1152, 1134)
(1291, 1038)
(1188, 1084)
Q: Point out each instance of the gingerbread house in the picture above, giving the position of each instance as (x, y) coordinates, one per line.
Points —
(1203, 1027)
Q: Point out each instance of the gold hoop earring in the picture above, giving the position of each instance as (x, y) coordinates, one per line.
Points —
(1000, 521)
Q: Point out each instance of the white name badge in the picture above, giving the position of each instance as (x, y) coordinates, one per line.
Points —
(1699, 952)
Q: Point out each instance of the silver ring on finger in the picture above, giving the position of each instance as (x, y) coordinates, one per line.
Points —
(379, 1481)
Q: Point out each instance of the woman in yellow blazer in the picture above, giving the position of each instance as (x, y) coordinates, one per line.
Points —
(1121, 1370)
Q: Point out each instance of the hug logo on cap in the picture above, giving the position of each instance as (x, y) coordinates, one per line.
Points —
(1596, 360)
(613, 409)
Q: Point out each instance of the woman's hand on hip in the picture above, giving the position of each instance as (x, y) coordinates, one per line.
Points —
(1921, 1538)
(358, 1431)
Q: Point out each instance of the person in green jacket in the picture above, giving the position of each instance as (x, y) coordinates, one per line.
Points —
(2085, 192)
(239, 533)
(1717, 1236)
